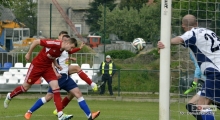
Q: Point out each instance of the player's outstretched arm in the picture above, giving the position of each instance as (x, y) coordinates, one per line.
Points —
(33, 45)
(74, 50)
(176, 41)
(81, 46)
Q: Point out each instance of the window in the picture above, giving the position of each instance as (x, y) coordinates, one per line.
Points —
(94, 39)
(78, 28)
(26, 33)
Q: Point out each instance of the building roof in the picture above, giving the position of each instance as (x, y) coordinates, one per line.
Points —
(6, 14)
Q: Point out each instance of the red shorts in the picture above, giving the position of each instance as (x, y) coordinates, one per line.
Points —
(35, 72)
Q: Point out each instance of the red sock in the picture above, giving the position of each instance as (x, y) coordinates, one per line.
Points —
(84, 77)
(18, 90)
(57, 99)
(65, 102)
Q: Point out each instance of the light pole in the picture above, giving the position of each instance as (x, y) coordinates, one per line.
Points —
(104, 25)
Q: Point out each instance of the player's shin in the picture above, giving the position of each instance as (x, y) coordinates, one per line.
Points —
(65, 102)
(57, 101)
(192, 111)
(84, 106)
(38, 104)
(18, 90)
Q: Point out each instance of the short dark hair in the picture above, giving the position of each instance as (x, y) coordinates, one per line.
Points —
(67, 36)
(63, 32)
(73, 40)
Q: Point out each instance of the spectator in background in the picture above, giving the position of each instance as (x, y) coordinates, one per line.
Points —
(107, 69)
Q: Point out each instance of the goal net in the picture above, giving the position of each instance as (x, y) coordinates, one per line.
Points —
(182, 68)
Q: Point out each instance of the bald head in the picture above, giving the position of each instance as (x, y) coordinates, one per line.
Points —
(189, 21)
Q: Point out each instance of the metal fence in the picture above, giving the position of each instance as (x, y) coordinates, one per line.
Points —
(19, 57)
(125, 80)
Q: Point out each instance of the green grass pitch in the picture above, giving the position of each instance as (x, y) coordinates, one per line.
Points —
(110, 110)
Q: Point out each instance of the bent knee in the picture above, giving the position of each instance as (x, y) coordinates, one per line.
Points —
(70, 96)
(74, 69)
(48, 97)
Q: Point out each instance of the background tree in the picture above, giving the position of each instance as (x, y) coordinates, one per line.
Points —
(5, 4)
(130, 24)
(206, 12)
(135, 4)
(26, 12)
(94, 13)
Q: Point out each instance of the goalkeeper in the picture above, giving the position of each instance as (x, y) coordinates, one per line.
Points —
(197, 75)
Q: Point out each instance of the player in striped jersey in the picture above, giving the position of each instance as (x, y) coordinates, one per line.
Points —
(205, 46)
(67, 83)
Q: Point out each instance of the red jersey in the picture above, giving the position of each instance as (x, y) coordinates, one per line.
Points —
(48, 54)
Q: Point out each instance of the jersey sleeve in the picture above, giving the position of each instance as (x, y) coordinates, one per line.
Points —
(197, 72)
(50, 43)
(188, 38)
(74, 50)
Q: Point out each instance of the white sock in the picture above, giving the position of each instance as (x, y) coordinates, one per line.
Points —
(43, 99)
(60, 114)
(9, 96)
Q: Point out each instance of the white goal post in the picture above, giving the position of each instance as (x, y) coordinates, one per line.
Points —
(165, 35)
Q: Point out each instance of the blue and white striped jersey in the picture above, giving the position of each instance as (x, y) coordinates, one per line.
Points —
(205, 45)
(63, 61)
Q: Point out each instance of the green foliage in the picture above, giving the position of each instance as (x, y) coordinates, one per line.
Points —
(26, 12)
(154, 53)
(174, 64)
(94, 13)
(130, 24)
(6, 3)
(174, 50)
(135, 4)
(120, 54)
(138, 81)
(207, 12)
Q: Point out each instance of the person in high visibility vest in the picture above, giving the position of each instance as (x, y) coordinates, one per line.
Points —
(107, 69)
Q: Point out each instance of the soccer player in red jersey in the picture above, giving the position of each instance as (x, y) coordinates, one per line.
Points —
(41, 66)
(67, 83)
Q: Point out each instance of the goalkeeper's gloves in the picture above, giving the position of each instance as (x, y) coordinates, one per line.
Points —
(193, 87)
(94, 87)
(194, 84)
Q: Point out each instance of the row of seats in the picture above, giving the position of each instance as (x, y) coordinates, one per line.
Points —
(8, 65)
(19, 72)
(89, 70)
(5, 66)
(21, 65)
(17, 80)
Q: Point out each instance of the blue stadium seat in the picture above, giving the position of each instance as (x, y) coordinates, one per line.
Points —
(7, 66)
(0, 66)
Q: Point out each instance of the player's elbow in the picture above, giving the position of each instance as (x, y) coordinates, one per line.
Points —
(36, 42)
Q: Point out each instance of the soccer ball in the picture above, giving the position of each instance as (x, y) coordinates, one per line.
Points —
(138, 44)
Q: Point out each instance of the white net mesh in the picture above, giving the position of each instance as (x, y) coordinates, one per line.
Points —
(182, 68)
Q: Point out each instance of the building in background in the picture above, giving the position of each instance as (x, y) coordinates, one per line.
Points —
(75, 9)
